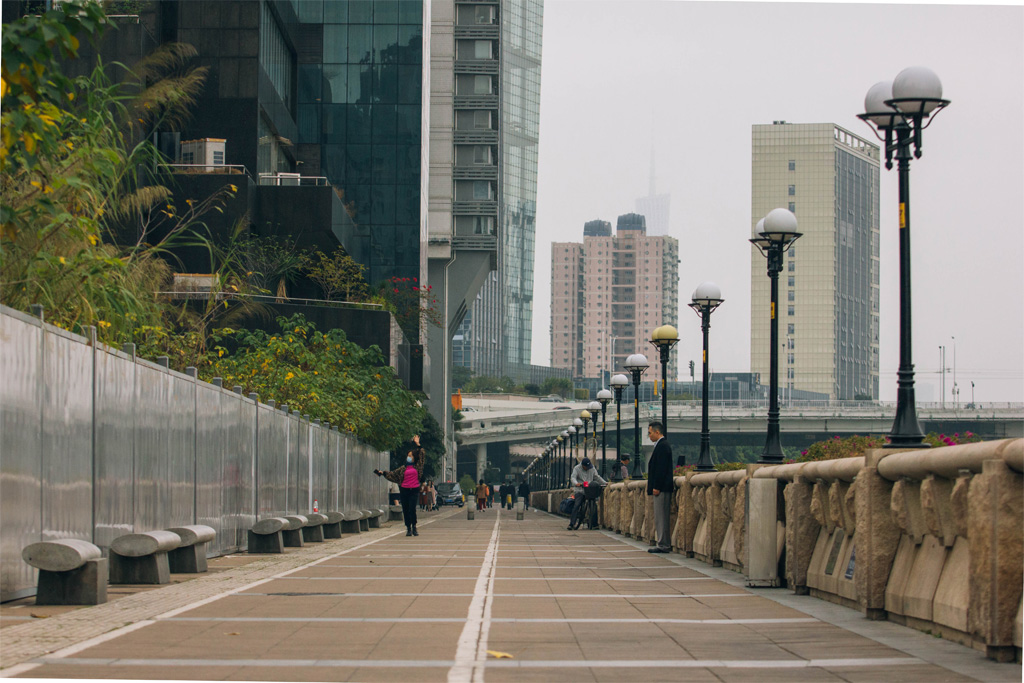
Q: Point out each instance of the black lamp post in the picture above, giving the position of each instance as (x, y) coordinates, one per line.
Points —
(563, 442)
(603, 398)
(773, 236)
(706, 298)
(619, 384)
(663, 339)
(585, 416)
(901, 109)
(636, 365)
(570, 461)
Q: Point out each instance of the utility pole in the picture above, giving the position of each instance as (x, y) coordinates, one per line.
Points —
(942, 372)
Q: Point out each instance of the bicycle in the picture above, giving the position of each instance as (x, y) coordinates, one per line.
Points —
(588, 511)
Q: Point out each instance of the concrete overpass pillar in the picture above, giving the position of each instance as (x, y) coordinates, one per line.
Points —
(481, 460)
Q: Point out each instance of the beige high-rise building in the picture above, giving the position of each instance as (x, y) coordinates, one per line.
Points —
(828, 288)
(609, 293)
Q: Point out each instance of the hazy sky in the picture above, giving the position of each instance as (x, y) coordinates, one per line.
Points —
(693, 77)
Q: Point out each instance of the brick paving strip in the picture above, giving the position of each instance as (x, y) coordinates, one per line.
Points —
(26, 642)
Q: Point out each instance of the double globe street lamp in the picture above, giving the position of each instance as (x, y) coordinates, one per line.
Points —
(773, 236)
(901, 109)
(706, 298)
(636, 365)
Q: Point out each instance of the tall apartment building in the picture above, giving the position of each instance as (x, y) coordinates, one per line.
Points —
(496, 333)
(609, 293)
(829, 286)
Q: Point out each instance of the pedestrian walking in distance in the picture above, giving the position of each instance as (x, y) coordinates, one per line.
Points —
(408, 478)
(524, 493)
(481, 495)
(660, 485)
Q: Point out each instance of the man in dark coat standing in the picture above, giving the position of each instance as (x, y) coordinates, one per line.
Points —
(660, 485)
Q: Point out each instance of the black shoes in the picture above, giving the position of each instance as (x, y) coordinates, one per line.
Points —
(659, 550)
(414, 532)
(408, 531)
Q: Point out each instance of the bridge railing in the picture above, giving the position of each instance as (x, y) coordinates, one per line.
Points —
(932, 539)
(96, 444)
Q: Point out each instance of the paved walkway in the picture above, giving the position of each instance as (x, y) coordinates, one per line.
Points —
(492, 599)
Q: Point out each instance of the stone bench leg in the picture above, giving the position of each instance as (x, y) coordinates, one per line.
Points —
(332, 530)
(351, 526)
(147, 569)
(188, 560)
(266, 543)
(394, 515)
(292, 538)
(313, 534)
(374, 522)
(364, 525)
(86, 585)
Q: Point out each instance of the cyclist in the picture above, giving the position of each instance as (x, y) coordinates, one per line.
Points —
(583, 474)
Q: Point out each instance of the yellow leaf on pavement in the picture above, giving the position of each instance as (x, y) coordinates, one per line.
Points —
(499, 655)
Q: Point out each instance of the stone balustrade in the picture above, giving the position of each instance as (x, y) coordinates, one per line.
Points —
(931, 539)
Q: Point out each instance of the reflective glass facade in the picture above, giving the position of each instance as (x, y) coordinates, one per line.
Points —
(497, 331)
(359, 96)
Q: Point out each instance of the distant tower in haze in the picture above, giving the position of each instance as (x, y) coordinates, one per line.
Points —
(654, 207)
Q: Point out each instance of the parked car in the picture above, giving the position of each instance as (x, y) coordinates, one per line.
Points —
(450, 493)
(551, 398)
(561, 408)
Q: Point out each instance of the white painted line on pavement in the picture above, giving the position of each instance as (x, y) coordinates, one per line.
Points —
(505, 620)
(471, 578)
(473, 640)
(502, 663)
(588, 596)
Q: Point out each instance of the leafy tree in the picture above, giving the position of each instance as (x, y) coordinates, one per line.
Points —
(460, 376)
(337, 274)
(432, 440)
(270, 265)
(81, 234)
(468, 487)
(320, 374)
(413, 306)
(557, 385)
(532, 389)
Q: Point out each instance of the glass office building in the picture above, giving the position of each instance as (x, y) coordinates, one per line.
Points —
(359, 104)
(496, 334)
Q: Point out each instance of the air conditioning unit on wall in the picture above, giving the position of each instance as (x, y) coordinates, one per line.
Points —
(205, 155)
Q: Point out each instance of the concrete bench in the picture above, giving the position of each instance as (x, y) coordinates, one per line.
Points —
(142, 557)
(376, 515)
(332, 527)
(190, 556)
(292, 534)
(353, 522)
(395, 513)
(313, 531)
(364, 521)
(71, 572)
(266, 535)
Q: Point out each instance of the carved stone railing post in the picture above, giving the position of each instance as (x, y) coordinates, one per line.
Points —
(801, 532)
(877, 535)
(995, 531)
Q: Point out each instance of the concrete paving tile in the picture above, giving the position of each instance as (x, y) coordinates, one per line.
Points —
(532, 675)
(905, 673)
(434, 606)
(523, 608)
(766, 675)
(736, 650)
(390, 675)
(530, 633)
(623, 675)
(147, 673)
(292, 673)
(418, 641)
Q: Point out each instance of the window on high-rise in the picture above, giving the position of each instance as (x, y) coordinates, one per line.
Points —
(482, 119)
(791, 311)
(792, 165)
(792, 207)
(792, 190)
(792, 267)
(790, 328)
(482, 49)
(482, 85)
(792, 280)
(791, 295)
